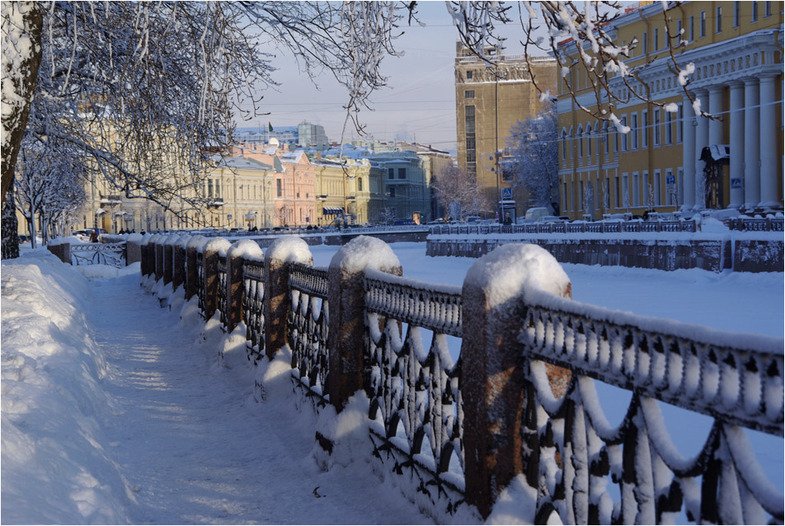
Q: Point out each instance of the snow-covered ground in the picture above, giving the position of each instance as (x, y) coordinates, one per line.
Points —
(116, 411)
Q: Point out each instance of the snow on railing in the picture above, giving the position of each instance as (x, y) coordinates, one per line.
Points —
(253, 308)
(569, 442)
(308, 328)
(414, 383)
(112, 254)
(502, 369)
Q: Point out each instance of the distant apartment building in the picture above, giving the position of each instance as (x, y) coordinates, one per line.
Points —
(737, 51)
(239, 193)
(311, 136)
(489, 101)
(406, 192)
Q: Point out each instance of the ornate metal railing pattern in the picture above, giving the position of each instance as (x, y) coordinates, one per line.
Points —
(414, 385)
(570, 449)
(112, 254)
(200, 281)
(308, 327)
(253, 308)
(222, 298)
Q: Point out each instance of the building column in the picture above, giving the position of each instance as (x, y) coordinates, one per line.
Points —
(751, 144)
(736, 144)
(768, 144)
(688, 140)
(701, 141)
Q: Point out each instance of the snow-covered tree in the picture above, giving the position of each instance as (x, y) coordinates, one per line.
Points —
(150, 90)
(457, 190)
(49, 186)
(533, 161)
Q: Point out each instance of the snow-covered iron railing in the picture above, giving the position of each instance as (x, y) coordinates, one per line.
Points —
(308, 328)
(222, 292)
(253, 308)
(200, 280)
(519, 398)
(112, 254)
(570, 451)
(752, 224)
(414, 385)
(564, 227)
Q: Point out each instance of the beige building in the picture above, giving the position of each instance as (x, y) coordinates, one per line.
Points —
(489, 101)
(240, 194)
(737, 52)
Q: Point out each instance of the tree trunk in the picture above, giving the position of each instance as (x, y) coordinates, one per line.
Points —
(19, 79)
(10, 241)
(31, 226)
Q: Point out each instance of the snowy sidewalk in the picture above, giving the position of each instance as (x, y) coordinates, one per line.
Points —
(114, 411)
(195, 445)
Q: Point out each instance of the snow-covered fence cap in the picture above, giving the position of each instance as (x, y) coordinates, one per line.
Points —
(198, 242)
(289, 249)
(219, 245)
(513, 269)
(365, 251)
(247, 249)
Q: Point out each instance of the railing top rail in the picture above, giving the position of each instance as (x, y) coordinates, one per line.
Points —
(253, 269)
(734, 378)
(307, 278)
(433, 307)
(92, 247)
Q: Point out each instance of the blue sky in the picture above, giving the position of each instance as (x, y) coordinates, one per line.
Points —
(419, 102)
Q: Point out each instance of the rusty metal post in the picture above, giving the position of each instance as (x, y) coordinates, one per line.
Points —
(346, 294)
(277, 303)
(492, 375)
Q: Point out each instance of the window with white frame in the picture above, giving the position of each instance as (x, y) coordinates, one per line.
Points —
(703, 24)
(718, 21)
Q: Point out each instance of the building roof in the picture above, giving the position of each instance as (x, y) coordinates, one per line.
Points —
(240, 162)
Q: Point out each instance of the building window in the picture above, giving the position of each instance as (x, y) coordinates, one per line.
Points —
(401, 173)
(669, 127)
(564, 145)
(471, 148)
(470, 74)
(359, 184)
(618, 192)
(209, 188)
(625, 189)
(754, 11)
(679, 30)
(645, 128)
(767, 9)
(692, 28)
(468, 94)
(624, 139)
(703, 24)
(680, 125)
(736, 13)
(606, 138)
(645, 42)
(657, 189)
(390, 173)
(718, 24)
(636, 189)
(278, 188)
(580, 142)
(656, 38)
(656, 127)
(635, 130)
(392, 191)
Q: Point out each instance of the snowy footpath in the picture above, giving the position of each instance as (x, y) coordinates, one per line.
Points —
(116, 411)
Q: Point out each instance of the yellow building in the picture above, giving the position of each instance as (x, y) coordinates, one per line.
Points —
(736, 48)
(346, 189)
(240, 193)
(489, 101)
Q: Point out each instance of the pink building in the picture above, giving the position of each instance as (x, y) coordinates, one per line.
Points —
(294, 190)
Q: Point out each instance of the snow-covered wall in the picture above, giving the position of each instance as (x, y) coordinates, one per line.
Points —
(708, 252)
